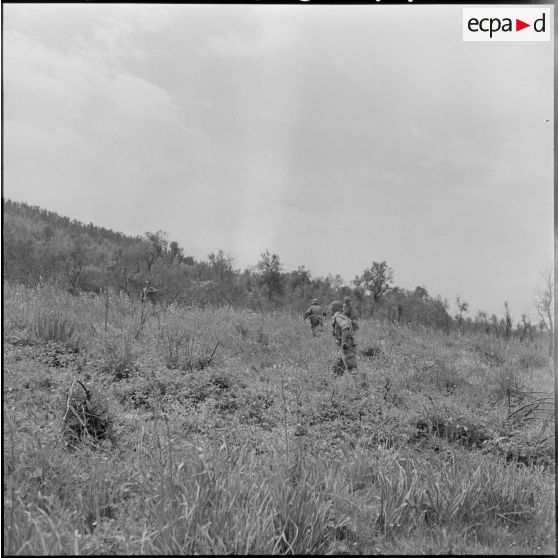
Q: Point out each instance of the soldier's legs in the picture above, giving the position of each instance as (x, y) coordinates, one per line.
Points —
(349, 356)
(317, 327)
(338, 368)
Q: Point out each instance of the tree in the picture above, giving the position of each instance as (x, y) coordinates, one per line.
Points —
(376, 280)
(175, 252)
(301, 277)
(223, 276)
(299, 288)
(155, 247)
(76, 257)
(544, 304)
(268, 271)
(494, 322)
(526, 327)
(421, 293)
(508, 322)
(481, 320)
(461, 307)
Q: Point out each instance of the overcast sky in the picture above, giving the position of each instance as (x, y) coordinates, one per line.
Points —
(334, 136)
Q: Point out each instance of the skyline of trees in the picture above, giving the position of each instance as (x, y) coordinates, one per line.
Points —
(41, 246)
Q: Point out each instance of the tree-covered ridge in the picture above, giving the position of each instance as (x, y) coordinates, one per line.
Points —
(52, 219)
(40, 246)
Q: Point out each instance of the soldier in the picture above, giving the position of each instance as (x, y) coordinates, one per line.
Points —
(343, 333)
(349, 312)
(316, 315)
(148, 293)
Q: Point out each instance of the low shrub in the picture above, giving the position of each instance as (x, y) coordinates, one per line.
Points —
(187, 352)
(117, 357)
(58, 355)
(54, 326)
(532, 360)
(455, 424)
(86, 417)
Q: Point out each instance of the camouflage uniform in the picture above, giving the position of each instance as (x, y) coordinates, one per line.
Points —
(343, 333)
(349, 312)
(148, 293)
(316, 315)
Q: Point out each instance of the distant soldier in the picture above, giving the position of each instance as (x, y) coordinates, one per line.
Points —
(148, 293)
(349, 312)
(343, 333)
(316, 315)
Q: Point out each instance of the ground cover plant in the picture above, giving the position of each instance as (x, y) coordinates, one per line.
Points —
(136, 428)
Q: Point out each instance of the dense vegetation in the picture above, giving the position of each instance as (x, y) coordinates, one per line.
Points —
(207, 421)
(42, 247)
(132, 427)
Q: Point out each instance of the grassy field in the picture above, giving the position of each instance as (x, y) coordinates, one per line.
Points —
(133, 429)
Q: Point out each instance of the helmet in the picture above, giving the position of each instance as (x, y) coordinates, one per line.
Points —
(315, 301)
(336, 306)
(347, 299)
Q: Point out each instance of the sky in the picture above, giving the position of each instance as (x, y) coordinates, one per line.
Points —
(333, 136)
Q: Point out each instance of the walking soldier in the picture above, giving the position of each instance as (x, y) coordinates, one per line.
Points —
(316, 315)
(343, 333)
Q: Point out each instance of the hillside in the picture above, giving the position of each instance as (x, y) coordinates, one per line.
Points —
(143, 428)
(40, 247)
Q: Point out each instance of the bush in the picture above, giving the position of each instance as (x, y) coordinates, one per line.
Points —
(53, 326)
(118, 357)
(187, 352)
(86, 417)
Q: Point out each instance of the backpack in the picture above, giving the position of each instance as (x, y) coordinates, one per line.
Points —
(316, 315)
(342, 321)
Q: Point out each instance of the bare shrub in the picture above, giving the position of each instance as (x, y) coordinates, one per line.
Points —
(86, 417)
(186, 351)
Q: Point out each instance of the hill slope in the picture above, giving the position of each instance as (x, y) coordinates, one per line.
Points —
(135, 428)
(42, 247)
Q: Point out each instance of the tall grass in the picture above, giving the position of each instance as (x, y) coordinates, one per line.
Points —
(262, 450)
(459, 495)
(53, 327)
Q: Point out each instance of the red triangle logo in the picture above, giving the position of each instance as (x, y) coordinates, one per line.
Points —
(519, 25)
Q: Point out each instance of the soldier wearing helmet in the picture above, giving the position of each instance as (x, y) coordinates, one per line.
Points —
(148, 293)
(316, 314)
(343, 333)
